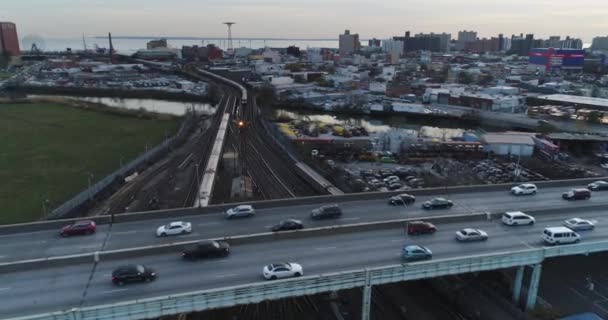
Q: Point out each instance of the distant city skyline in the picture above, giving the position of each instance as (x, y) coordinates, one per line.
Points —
(311, 19)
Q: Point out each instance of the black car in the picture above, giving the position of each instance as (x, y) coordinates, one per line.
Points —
(402, 200)
(598, 186)
(437, 203)
(326, 212)
(132, 273)
(577, 194)
(206, 249)
(289, 224)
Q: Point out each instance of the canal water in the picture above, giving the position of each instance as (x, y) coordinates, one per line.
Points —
(160, 106)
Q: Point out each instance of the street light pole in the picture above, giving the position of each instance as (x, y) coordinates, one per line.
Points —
(198, 185)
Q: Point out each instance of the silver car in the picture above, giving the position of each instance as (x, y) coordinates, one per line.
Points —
(244, 210)
(578, 224)
(470, 234)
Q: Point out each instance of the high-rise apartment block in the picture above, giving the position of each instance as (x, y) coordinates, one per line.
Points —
(349, 43)
(9, 42)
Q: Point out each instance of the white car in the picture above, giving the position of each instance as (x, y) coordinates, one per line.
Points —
(282, 270)
(244, 210)
(524, 189)
(515, 218)
(470, 234)
(173, 228)
(578, 224)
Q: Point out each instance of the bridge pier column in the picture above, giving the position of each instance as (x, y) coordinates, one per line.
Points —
(533, 287)
(367, 297)
(519, 277)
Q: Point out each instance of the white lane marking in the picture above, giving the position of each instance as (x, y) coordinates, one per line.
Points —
(24, 243)
(227, 275)
(125, 232)
(5, 288)
(191, 234)
(89, 246)
(527, 244)
(325, 248)
(208, 224)
(113, 291)
(2, 257)
(351, 219)
(397, 240)
(268, 226)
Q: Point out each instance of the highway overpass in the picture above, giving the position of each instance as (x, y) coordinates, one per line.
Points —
(41, 240)
(331, 262)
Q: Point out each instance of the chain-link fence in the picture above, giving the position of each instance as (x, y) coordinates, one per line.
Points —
(69, 208)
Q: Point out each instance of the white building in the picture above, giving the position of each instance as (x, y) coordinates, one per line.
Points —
(270, 55)
(464, 37)
(509, 143)
(393, 48)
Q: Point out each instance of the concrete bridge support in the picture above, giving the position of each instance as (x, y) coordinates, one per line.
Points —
(367, 297)
(532, 286)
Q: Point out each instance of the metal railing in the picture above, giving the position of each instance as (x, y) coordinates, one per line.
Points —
(261, 291)
(88, 194)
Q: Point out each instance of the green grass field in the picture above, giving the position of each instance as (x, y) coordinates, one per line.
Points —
(47, 150)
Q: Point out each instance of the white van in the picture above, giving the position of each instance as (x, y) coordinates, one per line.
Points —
(560, 235)
(515, 218)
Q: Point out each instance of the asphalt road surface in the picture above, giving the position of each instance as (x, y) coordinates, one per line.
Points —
(53, 289)
(41, 244)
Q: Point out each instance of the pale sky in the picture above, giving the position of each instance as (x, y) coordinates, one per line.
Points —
(305, 18)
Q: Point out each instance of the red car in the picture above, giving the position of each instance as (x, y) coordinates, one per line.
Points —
(79, 228)
(420, 227)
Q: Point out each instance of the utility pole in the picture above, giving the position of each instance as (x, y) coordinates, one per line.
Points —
(198, 185)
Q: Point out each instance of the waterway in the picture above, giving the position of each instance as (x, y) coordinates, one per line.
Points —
(160, 106)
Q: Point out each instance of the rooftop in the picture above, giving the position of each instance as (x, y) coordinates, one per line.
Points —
(508, 138)
(576, 99)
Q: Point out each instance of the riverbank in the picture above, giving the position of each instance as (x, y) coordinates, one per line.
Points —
(22, 90)
(51, 151)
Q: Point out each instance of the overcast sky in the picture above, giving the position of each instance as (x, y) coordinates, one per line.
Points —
(305, 18)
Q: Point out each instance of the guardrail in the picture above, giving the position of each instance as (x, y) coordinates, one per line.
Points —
(308, 285)
(316, 200)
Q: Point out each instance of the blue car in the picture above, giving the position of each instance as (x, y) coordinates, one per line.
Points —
(415, 253)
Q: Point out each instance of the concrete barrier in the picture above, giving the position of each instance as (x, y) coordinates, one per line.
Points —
(176, 247)
(268, 204)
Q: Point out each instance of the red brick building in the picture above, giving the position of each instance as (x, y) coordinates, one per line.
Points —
(9, 42)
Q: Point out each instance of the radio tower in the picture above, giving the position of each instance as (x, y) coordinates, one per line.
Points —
(229, 24)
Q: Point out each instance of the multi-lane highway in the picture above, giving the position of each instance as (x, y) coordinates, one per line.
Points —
(20, 246)
(52, 289)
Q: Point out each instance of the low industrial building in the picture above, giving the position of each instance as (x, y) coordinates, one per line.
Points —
(509, 143)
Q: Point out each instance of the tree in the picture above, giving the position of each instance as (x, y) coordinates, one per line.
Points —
(464, 78)
(546, 128)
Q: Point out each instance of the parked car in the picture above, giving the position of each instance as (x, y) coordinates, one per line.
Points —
(282, 270)
(437, 203)
(420, 227)
(391, 179)
(79, 228)
(403, 199)
(206, 249)
(415, 252)
(515, 218)
(560, 235)
(470, 234)
(395, 186)
(577, 194)
(288, 224)
(173, 228)
(598, 186)
(326, 212)
(578, 224)
(132, 273)
(524, 189)
(244, 210)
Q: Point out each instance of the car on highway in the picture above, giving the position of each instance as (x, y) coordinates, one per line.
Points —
(524, 189)
(395, 186)
(174, 228)
(81, 227)
(403, 199)
(244, 210)
(387, 160)
(470, 234)
(326, 212)
(132, 273)
(206, 249)
(598, 186)
(577, 194)
(437, 203)
(515, 218)
(578, 224)
(420, 227)
(560, 235)
(416, 252)
(282, 270)
(288, 224)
